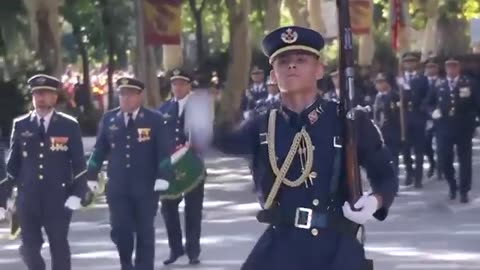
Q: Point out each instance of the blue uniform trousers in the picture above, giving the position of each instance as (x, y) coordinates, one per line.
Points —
(193, 222)
(56, 225)
(463, 142)
(415, 140)
(132, 226)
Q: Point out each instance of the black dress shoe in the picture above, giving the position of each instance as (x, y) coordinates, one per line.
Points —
(464, 198)
(173, 258)
(194, 261)
(453, 195)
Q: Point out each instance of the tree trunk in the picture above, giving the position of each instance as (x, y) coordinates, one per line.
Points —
(197, 15)
(153, 87)
(85, 63)
(272, 15)
(240, 55)
(315, 16)
(298, 12)
(44, 18)
(366, 49)
(429, 44)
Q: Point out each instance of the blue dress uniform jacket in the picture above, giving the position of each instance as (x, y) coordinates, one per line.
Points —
(459, 106)
(46, 172)
(416, 115)
(134, 156)
(387, 116)
(175, 123)
(316, 247)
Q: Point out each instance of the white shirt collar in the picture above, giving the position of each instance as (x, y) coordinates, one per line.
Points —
(276, 96)
(181, 103)
(46, 118)
(134, 115)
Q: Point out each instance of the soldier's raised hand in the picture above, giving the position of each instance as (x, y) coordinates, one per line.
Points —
(73, 203)
(367, 205)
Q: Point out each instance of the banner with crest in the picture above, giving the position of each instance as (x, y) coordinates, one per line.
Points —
(162, 21)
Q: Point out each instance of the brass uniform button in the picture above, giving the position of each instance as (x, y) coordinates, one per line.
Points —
(40, 166)
(128, 146)
(314, 232)
(128, 165)
(128, 155)
(42, 144)
(315, 202)
(40, 177)
(40, 156)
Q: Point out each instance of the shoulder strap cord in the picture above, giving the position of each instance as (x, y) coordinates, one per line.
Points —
(281, 173)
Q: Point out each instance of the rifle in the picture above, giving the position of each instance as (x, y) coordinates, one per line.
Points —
(347, 97)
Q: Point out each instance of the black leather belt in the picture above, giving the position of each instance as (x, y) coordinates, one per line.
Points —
(306, 218)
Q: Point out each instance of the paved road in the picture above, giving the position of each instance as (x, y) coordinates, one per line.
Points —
(424, 231)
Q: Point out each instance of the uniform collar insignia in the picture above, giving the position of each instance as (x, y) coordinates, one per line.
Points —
(313, 116)
(113, 127)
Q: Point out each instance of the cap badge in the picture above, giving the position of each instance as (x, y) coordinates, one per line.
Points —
(124, 81)
(289, 36)
(41, 80)
(176, 72)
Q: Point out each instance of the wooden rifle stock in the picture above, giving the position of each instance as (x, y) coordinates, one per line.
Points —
(347, 98)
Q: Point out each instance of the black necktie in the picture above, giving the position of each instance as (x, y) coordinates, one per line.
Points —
(176, 109)
(130, 121)
(42, 128)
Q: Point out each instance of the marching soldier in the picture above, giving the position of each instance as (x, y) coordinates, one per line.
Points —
(333, 94)
(272, 100)
(135, 141)
(173, 110)
(255, 92)
(415, 89)
(294, 149)
(432, 74)
(455, 102)
(47, 165)
(3, 177)
(387, 115)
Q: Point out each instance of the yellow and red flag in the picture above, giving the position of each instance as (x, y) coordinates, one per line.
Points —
(399, 22)
(361, 14)
(162, 21)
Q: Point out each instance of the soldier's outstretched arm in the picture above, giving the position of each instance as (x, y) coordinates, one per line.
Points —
(14, 161)
(77, 158)
(377, 160)
(239, 140)
(100, 151)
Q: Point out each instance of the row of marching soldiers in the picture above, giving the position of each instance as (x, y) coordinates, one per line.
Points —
(444, 107)
(434, 106)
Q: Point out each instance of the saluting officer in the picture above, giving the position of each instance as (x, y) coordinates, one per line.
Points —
(272, 100)
(135, 142)
(432, 74)
(455, 102)
(415, 89)
(294, 150)
(173, 110)
(47, 165)
(387, 115)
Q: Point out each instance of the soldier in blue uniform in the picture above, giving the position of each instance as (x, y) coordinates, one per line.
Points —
(173, 111)
(3, 176)
(294, 150)
(387, 115)
(256, 91)
(333, 94)
(47, 165)
(135, 142)
(415, 89)
(455, 103)
(432, 74)
(271, 101)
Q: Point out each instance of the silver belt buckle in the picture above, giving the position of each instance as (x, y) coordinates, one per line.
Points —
(303, 210)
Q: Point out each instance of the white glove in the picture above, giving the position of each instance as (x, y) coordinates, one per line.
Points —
(429, 124)
(73, 203)
(402, 83)
(3, 213)
(246, 114)
(436, 114)
(161, 184)
(93, 186)
(367, 205)
(10, 204)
